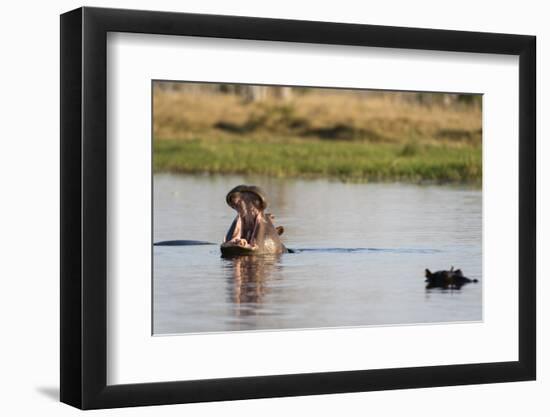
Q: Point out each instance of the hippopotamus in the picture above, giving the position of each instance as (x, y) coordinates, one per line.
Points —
(453, 279)
(252, 232)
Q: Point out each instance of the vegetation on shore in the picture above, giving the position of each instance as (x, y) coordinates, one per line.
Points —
(284, 157)
(352, 137)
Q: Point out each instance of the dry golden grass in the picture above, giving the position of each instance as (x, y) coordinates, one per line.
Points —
(391, 118)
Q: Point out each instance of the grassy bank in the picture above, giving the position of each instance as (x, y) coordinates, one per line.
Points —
(351, 136)
(295, 157)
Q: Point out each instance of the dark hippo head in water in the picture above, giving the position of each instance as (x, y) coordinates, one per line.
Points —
(252, 232)
(451, 279)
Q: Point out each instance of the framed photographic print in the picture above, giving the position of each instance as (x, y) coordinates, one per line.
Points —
(257, 207)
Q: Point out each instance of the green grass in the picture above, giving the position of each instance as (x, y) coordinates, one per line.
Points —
(310, 158)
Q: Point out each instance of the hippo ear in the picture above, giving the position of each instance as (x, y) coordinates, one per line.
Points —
(280, 230)
(427, 273)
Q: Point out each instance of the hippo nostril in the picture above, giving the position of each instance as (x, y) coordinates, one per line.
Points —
(236, 193)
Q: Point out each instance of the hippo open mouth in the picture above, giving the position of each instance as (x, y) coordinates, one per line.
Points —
(252, 231)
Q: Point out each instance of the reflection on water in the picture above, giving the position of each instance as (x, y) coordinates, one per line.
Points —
(360, 255)
(248, 280)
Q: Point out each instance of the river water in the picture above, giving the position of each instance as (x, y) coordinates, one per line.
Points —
(361, 251)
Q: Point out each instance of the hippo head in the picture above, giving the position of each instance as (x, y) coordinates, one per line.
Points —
(453, 279)
(252, 231)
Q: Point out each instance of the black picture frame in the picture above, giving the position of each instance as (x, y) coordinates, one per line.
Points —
(84, 207)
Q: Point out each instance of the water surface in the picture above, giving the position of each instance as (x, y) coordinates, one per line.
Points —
(361, 254)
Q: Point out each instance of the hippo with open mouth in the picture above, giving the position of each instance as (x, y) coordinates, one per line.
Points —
(252, 232)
